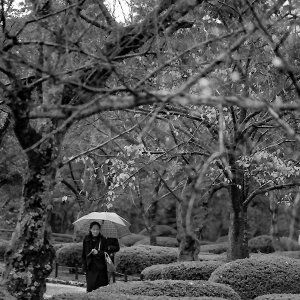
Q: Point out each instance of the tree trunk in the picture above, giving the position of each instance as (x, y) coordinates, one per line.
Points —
(238, 231)
(274, 222)
(30, 257)
(238, 235)
(189, 245)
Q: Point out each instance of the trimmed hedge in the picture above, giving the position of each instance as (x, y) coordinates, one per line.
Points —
(257, 276)
(3, 247)
(291, 254)
(261, 243)
(214, 248)
(131, 239)
(173, 288)
(69, 255)
(203, 256)
(96, 295)
(288, 244)
(161, 230)
(135, 259)
(162, 241)
(187, 270)
(279, 297)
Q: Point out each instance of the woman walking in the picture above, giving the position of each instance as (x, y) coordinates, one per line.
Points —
(93, 258)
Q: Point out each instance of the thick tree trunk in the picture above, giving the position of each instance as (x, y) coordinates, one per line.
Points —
(238, 235)
(30, 257)
(238, 231)
(274, 222)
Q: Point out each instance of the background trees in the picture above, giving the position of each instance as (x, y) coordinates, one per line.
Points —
(190, 99)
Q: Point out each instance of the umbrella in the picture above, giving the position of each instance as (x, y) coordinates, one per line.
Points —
(112, 225)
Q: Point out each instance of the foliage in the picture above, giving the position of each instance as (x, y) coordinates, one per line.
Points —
(136, 258)
(215, 248)
(3, 248)
(262, 243)
(278, 297)
(173, 288)
(162, 241)
(131, 239)
(99, 295)
(253, 277)
(182, 270)
(70, 255)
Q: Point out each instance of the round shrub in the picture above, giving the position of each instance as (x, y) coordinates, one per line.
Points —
(69, 255)
(173, 288)
(214, 248)
(3, 247)
(96, 295)
(187, 270)
(257, 276)
(288, 244)
(261, 243)
(131, 239)
(206, 256)
(136, 258)
(279, 297)
(162, 230)
(291, 254)
(162, 241)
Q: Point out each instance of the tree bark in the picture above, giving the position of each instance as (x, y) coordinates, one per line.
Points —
(238, 231)
(30, 257)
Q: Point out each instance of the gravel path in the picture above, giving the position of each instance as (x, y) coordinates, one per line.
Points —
(54, 289)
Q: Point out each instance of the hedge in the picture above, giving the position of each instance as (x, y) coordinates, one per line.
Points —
(291, 254)
(173, 288)
(135, 259)
(162, 241)
(3, 247)
(69, 255)
(257, 276)
(188, 270)
(264, 244)
(96, 295)
(279, 297)
(261, 243)
(214, 248)
(206, 256)
(131, 239)
(161, 230)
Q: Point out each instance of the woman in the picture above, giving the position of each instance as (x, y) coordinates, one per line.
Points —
(93, 258)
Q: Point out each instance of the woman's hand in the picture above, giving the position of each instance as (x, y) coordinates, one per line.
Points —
(94, 251)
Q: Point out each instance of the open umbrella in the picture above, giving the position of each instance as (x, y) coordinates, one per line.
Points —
(112, 225)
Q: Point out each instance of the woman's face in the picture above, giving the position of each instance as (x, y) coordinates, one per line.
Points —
(95, 230)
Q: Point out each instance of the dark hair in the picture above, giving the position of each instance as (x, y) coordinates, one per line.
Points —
(95, 223)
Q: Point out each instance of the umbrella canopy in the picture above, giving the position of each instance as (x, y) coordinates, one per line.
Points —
(112, 225)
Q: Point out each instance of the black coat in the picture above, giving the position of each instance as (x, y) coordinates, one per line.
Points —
(94, 265)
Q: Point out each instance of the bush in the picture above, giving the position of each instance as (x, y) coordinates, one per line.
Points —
(96, 295)
(188, 270)
(257, 276)
(214, 248)
(206, 256)
(3, 247)
(136, 258)
(279, 297)
(291, 254)
(288, 244)
(173, 288)
(261, 243)
(131, 239)
(59, 245)
(162, 230)
(69, 255)
(222, 239)
(162, 241)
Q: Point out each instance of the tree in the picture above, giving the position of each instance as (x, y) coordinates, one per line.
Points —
(62, 63)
